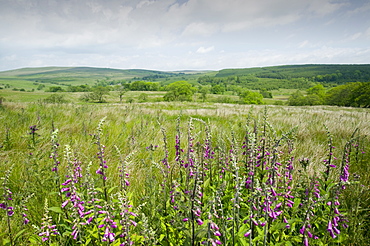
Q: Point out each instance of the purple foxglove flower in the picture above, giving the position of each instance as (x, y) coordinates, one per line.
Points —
(2, 205)
(214, 226)
(247, 234)
(218, 242)
(185, 219)
(302, 230)
(199, 221)
(305, 241)
(65, 189)
(217, 233)
(65, 203)
(74, 234)
(336, 230)
(330, 227)
(335, 221)
(26, 221)
(89, 220)
(111, 237)
(133, 214)
(133, 223)
(67, 182)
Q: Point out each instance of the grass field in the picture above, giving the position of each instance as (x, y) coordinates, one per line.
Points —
(161, 173)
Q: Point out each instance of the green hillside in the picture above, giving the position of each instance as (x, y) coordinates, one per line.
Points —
(270, 78)
(31, 78)
(320, 73)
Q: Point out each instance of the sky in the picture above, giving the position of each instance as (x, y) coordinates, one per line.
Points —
(172, 35)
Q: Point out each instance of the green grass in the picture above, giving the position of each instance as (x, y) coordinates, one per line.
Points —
(132, 127)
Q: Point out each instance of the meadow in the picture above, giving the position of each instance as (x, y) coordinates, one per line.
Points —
(183, 173)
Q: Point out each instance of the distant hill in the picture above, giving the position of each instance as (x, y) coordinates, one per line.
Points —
(27, 78)
(80, 71)
(270, 78)
(317, 72)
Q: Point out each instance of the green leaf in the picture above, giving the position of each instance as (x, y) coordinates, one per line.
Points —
(243, 241)
(56, 210)
(206, 183)
(6, 242)
(111, 189)
(99, 189)
(277, 226)
(161, 237)
(88, 241)
(34, 240)
(19, 234)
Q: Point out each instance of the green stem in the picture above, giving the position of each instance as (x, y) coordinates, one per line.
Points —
(10, 231)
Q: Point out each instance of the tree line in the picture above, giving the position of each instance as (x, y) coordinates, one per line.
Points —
(354, 94)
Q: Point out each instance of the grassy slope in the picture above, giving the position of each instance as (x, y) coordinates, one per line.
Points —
(30, 78)
(295, 71)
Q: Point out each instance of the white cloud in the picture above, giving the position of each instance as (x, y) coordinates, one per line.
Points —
(203, 50)
(303, 44)
(161, 32)
(367, 33)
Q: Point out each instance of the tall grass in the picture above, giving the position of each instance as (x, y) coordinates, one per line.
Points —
(182, 174)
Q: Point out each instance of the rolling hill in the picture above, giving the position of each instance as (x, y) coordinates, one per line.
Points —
(31, 78)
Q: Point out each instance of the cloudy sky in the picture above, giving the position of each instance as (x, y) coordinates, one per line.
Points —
(173, 35)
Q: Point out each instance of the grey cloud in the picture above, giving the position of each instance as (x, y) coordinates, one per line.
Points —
(54, 31)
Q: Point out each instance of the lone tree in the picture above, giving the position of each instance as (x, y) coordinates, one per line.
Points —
(179, 91)
(97, 94)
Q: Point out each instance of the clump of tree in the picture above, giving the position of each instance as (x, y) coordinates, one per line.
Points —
(265, 93)
(121, 91)
(142, 86)
(97, 95)
(250, 97)
(55, 98)
(78, 88)
(54, 89)
(218, 89)
(315, 96)
(179, 91)
(204, 91)
(355, 94)
(143, 97)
